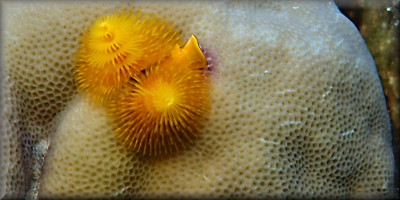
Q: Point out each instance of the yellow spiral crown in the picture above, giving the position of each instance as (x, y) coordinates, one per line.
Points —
(118, 46)
(164, 107)
(156, 92)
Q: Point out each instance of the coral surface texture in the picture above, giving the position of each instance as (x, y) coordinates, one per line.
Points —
(297, 107)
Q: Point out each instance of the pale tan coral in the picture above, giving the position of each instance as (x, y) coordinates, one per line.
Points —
(91, 164)
(297, 107)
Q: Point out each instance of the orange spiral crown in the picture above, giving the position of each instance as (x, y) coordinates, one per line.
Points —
(118, 46)
(164, 107)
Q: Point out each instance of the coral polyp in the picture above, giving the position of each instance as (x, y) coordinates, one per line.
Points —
(164, 107)
(118, 46)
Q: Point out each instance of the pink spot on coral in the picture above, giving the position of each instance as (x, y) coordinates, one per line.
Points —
(211, 63)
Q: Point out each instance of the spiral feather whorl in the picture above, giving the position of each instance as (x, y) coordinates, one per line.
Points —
(166, 106)
(116, 47)
(154, 90)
